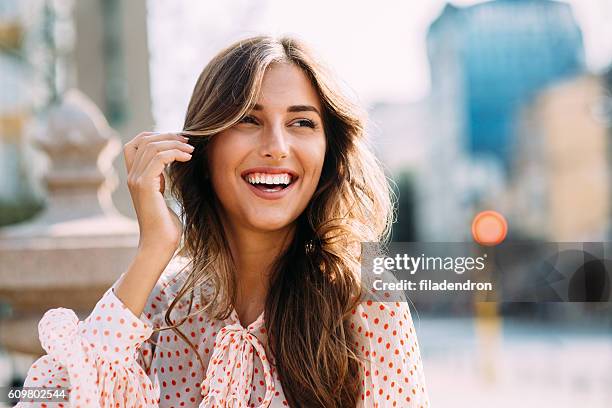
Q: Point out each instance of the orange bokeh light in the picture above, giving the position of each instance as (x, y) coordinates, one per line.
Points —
(489, 228)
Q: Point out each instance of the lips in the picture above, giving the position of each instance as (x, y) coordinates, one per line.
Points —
(270, 183)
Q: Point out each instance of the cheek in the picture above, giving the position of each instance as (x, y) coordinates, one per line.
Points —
(224, 153)
(316, 156)
(311, 155)
(224, 156)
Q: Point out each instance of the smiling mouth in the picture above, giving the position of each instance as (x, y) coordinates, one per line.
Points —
(270, 183)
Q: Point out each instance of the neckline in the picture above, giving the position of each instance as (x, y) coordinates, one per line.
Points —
(251, 327)
(234, 319)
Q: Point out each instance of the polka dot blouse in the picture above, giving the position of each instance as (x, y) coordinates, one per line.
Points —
(114, 359)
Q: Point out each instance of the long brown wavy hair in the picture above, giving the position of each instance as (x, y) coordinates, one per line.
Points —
(315, 282)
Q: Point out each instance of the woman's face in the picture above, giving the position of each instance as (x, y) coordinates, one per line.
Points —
(281, 140)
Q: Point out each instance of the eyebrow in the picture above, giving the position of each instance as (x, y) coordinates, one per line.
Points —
(293, 108)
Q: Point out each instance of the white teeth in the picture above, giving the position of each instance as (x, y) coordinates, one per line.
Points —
(263, 178)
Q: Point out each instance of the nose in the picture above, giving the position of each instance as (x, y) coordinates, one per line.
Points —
(274, 143)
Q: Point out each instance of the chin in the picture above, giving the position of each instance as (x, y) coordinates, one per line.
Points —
(269, 223)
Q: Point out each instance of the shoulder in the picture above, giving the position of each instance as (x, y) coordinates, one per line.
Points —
(383, 322)
(383, 318)
(383, 306)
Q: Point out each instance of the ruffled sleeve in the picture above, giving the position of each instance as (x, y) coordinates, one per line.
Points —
(393, 370)
(104, 360)
(97, 358)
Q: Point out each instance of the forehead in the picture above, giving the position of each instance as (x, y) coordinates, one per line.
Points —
(285, 84)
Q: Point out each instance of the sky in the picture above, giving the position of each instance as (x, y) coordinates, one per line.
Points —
(377, 49)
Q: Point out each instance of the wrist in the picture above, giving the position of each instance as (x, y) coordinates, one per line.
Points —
(156, 250)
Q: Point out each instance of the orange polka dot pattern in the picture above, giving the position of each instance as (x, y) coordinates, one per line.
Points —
(114, 359)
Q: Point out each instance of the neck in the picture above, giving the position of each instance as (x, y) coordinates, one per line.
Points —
(253, 252)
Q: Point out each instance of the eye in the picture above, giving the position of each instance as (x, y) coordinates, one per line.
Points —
(248, 119)
(307, 122)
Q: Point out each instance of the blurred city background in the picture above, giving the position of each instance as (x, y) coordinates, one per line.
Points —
(474, 105)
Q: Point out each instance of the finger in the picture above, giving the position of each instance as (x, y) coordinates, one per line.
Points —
(130, 148)
(135, 145)
(159, 162)
(139, 145)
(146, 154)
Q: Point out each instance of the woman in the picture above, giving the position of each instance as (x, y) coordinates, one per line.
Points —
(263, 305)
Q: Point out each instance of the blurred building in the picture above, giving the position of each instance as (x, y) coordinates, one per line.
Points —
(111, 66)
(560, 181)
(486, 61)
(504, 52)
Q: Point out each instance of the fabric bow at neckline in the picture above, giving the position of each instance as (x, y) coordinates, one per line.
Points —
(229, 376)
